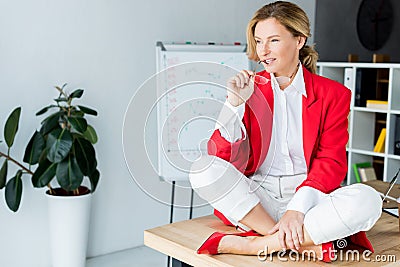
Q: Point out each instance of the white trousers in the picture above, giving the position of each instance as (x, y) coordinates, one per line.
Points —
(341, 213)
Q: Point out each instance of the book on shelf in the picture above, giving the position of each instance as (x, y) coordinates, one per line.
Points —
(380, 143)
(348, 78)
(397, 136)
(367, 174)
(365, 86)
(356, 166)
(377, 104)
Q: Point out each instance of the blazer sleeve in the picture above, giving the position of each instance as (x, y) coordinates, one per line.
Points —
(238, 153)
(328, 164)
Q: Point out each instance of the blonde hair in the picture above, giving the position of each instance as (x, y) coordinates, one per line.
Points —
(295, 21)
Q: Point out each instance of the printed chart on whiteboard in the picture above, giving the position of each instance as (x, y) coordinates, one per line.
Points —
(191, 90)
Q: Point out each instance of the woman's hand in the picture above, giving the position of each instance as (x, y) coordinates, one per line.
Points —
(240, 88)
(290, 229)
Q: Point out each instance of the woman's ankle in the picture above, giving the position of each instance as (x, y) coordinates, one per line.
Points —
(312, 250)
(237, 245)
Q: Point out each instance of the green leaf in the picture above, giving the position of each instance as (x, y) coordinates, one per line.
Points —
(61, 99)
(88, 110)
(34, 148)
(3, 174)
(77, 113)
(61, 88)
(90, 134)
(76, 94)
(85, 155)
(43, 156)
(59, 143)
(94, 179)
(50, 123)
(13, 191)
(44, 173)
(69, 176)
(79, 124)
(11, 127)
(43, 110)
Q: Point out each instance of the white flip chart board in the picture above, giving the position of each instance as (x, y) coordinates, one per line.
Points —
(191, 80)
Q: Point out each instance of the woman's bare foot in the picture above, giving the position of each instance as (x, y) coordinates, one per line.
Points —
(236, 244)
(251, 245)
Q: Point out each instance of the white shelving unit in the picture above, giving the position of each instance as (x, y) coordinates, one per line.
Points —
(363, 121)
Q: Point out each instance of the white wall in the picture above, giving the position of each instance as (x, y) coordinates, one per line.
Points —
(107, 48)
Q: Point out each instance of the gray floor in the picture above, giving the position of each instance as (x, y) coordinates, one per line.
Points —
(139, 256)
(144, 256)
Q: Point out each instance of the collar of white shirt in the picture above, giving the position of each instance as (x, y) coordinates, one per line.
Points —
(297, 84)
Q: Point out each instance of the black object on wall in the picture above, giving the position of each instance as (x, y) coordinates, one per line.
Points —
(336, 31)
(374, 23)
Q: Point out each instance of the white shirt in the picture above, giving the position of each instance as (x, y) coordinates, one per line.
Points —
(286, 154)
(287, 131)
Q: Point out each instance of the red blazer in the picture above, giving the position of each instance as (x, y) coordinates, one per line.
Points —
(325, 135)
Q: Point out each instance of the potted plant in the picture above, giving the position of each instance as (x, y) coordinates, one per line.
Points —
(63, 149)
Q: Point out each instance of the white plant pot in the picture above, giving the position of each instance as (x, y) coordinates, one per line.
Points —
(69, 227)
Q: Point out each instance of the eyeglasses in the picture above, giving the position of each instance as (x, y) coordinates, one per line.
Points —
(391, 184)
(258, 79)
(282, 80)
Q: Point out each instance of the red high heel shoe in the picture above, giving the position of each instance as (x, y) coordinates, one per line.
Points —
(210, 246)
(360, 239)
(222, 218)
(328, 253)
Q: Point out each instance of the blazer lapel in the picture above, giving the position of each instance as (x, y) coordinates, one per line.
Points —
(262, 105)
(311, 117)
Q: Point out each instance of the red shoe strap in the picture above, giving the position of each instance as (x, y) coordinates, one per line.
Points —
(328, 252)
(222, 218)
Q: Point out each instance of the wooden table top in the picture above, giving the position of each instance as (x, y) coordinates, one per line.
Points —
(383, 187)
(180, 240)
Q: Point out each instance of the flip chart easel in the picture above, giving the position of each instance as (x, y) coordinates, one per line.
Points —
(191, 91)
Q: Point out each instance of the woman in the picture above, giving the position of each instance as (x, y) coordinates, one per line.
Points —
(279, 154)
